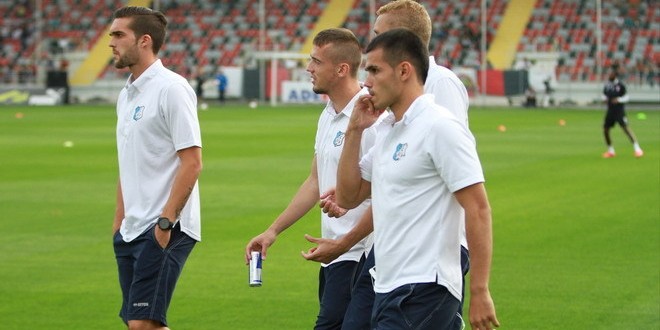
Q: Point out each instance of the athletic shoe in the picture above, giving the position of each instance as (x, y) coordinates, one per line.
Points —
(639, 153)
(608, 154)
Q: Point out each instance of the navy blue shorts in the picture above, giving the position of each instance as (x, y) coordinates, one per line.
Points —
(335, 285)
(148, 273)
(417, 306)
(465, 268)
(362, 298)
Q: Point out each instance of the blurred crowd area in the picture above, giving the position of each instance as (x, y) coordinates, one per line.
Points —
(206, 35)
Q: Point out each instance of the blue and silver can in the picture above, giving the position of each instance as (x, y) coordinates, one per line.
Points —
(255, 269)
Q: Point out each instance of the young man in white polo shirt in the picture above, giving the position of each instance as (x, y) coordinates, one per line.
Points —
(450, 93)
(157, 220)
(421, 173)
(333, 66)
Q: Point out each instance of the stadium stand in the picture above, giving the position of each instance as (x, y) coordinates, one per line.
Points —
(631, 35)
(209, 34)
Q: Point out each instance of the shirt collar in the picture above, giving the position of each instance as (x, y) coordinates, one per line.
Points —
(145, 76)
(348, 109)
(417, 107)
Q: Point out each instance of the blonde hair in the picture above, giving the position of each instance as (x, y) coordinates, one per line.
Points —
(411, 15)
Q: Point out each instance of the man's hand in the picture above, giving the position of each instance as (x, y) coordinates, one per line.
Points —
(162, 236)
(329, 205)
(482, 311)
(259, 243)
(364, 114)
(325, 251)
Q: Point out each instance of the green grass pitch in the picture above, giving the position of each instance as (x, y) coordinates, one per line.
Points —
(577, 239)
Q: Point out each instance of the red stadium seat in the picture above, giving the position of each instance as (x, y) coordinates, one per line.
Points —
(566, 26)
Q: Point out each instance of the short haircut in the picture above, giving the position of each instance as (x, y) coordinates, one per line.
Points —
(345, 47)
(411, 15)
(402, 45)
(145, 21)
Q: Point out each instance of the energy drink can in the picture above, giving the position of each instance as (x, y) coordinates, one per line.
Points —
(255, 269)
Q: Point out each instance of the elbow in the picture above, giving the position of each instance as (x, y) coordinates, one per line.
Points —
(483, 211)
(351, 196)
(347, 203)
(192, 167)
(197, 167)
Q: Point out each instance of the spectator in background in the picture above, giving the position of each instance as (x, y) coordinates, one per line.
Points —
(221, 80)
(530, 97)
(200, 78)
(615, 95)
(58, 78)
(548, 99)
(64, 68)
(651, 75)
(640, 67)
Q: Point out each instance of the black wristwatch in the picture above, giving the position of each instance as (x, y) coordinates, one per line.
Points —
(165, 223)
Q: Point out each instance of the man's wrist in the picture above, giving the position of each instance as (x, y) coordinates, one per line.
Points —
(344, 244)
(164, 223)
(273, 231)
(354, 129)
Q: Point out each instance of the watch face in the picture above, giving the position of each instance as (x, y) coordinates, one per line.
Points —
(164, 223)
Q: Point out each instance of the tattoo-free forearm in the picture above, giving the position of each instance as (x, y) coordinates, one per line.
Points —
(184, 181)
(349, 178)
(119, 210)
(361, 230)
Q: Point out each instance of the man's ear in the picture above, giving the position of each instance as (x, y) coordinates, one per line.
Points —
(405, 70)
(343, 69)
(145, 41)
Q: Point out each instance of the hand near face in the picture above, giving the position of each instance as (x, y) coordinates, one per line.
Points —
(364, 114)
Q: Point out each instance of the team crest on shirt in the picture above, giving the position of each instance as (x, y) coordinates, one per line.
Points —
(339, 139)
(139, 111)
(400, 151)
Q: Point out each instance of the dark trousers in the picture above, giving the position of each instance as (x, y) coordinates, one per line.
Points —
(362, 298)
(335, 285)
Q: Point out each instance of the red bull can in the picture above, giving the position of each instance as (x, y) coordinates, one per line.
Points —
(255, 269)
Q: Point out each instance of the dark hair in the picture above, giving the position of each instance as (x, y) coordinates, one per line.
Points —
(402, 45)
(145, 21)
(345, 47)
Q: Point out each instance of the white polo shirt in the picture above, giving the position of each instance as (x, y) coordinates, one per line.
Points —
(449, 92)
(448, 89)
(414, 167)
(156, 116)
(328, 146)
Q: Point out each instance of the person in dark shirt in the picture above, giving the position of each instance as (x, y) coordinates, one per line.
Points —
(614, 94)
